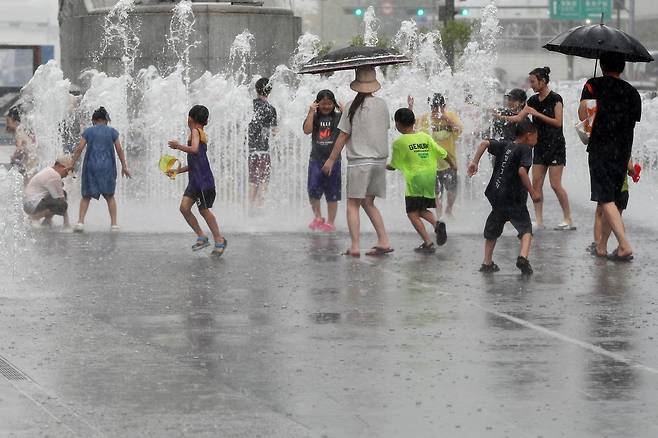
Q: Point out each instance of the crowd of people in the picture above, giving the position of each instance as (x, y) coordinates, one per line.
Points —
(526, 143)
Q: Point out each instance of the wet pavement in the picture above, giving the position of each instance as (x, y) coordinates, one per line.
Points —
(132, 335)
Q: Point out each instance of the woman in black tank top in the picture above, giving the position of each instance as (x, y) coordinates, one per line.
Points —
(546, 108)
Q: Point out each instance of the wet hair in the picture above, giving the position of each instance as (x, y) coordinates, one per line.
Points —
(405, 117)
(199, 114)
(14, 114)
(612, 62)
(101, 114)
(541, 73)
(436, 101)
(524, 127)
(356, 104)
(327, 94)
(263, 87)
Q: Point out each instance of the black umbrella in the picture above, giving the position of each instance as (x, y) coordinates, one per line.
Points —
(592, 40)
(352, 57)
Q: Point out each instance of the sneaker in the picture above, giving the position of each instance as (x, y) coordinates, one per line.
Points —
(426, 248)
(488, 269)
(114, 229)
(79, 227)
(564, 227)
(326, 227)
(315, 223)
(201, 242)
(441, 234)
(524, 265)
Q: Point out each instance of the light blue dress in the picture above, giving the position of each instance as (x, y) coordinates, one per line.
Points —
(99, 168)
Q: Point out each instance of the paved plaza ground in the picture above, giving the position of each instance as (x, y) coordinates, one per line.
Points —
(132, 335)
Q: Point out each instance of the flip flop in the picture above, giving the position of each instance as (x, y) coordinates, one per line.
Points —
(379, 251)
(615, 257)
(351, 254)
(426, 249)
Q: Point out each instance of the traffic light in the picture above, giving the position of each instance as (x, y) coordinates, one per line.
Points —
(420, 12)
(464, 12)
(358, 12)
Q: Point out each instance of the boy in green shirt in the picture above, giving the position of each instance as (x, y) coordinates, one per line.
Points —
(416, 155)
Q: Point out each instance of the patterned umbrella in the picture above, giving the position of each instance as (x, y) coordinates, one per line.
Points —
(352, 57)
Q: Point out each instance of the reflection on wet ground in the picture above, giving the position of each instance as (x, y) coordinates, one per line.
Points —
(132, 336)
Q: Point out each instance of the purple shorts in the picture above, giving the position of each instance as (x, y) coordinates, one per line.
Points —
(320, 184)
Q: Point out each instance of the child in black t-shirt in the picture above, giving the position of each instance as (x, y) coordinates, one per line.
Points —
(508, 192)
(322, 123)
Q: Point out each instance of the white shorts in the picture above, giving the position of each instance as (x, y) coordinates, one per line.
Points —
(366, 180)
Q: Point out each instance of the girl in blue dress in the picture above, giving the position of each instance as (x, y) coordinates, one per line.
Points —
(99, 168)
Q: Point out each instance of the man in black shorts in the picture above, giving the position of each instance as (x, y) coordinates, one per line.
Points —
(508, 192)
(619, 107)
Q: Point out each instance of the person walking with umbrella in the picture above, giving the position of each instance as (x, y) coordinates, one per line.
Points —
(550, 155)
(364, 132)
(618, 108)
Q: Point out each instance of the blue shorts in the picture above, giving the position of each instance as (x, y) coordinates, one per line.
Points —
(320, 184)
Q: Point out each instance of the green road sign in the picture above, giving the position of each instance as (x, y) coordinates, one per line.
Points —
(580, 9)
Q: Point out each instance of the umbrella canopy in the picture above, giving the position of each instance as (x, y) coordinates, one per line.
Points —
(592, 40)
(352, 57)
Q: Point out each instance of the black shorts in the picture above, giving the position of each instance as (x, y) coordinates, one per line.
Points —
(418, 203)
(518, 215)
(204, 199)
(550, 156)
(446, 179)
(606, 179)
(622, 200)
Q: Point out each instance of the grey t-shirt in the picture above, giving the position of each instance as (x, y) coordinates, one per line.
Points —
(368, 131)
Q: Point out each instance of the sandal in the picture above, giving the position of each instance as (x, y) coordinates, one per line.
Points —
(426, 248)
(615, 257)
(524, 265)
(379, 251)
(219, 248)
(351, 254)
(201, 242)
(564, 227)
(488, 269)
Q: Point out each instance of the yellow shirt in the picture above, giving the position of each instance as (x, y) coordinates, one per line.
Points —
(442, 134)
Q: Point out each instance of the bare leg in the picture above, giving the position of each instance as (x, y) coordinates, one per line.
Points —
(186, 210)
(112, 208)
(555, 178)
(452, 196)
(489, 246)
(354, 223)
(615, 222)
(429, 217)
(538, 177)
(253, 190)
(419, 226)
(84, 206)
(262, 190)
(377, 221)
(211, 220)
(315, 206)
(439, 205)
(526, 240)
(332, 210)
(601, 228)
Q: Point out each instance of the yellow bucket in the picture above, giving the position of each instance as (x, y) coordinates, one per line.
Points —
(167, 163)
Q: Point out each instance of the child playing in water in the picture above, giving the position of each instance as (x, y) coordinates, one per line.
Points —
(322, 122)
(201, 186)
(416, 154)
(508, 192)
(99, 168)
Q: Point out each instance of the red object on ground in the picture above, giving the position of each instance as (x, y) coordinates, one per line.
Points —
(638, 169)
